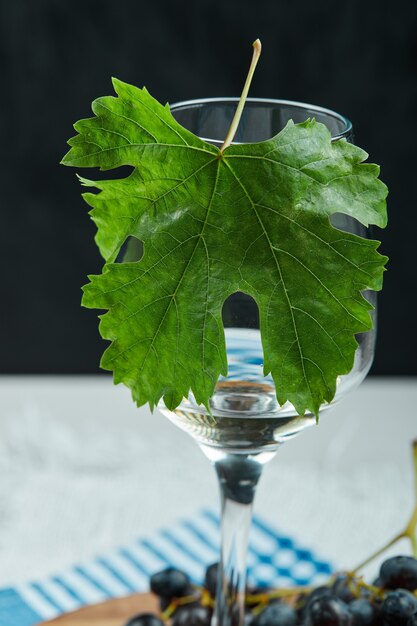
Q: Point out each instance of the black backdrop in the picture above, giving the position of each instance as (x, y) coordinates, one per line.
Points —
(358, 57)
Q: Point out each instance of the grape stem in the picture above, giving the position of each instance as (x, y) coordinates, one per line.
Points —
(257, 47)
(409, 532)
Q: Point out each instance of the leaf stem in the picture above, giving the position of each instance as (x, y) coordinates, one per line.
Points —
(411, 529)
(380, 551)
(409, 532)
(257, 47)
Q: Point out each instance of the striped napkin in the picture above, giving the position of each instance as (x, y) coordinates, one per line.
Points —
(191, 545)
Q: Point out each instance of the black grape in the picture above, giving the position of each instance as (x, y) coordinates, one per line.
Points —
(307, 600)
(170, 583)
(145, 619)
(328, 611)
(276, 614)
(341, 589)
(363, 612)
(399, 572)
(210, 580)
(397, 607)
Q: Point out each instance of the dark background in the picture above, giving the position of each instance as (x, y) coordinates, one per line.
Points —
(357, 57)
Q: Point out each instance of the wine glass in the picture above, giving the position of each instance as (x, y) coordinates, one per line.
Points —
(246, 425)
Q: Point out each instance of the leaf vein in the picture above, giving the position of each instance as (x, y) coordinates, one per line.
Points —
(313, 234)
(129, 119)
(280, 275)
(319, 281)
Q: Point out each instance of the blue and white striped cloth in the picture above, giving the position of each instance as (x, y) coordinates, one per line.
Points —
(190, 545)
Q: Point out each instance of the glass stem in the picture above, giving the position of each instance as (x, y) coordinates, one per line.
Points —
(238, 476)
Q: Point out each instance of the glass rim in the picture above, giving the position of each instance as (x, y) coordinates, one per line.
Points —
(294, 103)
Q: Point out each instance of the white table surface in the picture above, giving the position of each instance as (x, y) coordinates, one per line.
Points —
(82, 470)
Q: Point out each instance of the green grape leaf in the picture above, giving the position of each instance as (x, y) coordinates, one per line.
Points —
(256, 219)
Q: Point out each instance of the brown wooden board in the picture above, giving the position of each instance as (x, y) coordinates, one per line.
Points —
(111, 613)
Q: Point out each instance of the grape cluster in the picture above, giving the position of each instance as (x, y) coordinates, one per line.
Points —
(345, 601)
